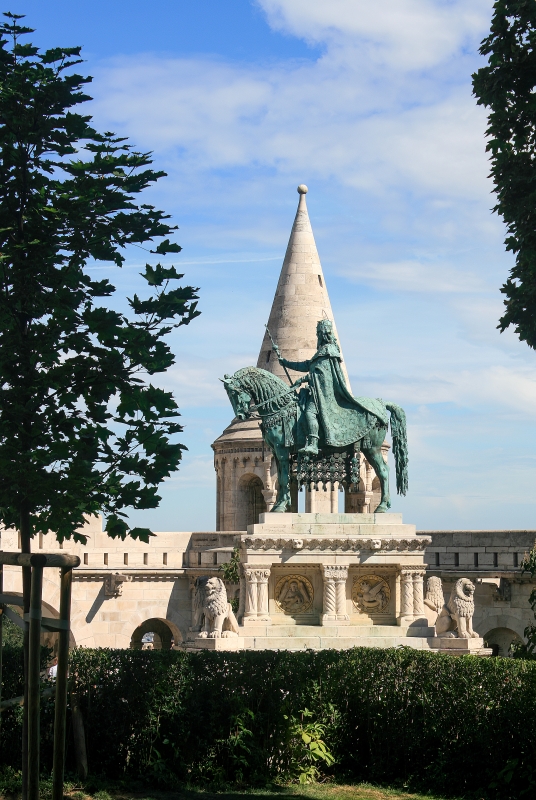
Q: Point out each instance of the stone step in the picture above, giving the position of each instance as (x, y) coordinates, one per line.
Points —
(353, 632)
(295, 643)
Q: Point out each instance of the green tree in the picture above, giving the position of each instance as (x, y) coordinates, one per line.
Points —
(506, 87)
(12, 635)
(527, 649)
(82, 429)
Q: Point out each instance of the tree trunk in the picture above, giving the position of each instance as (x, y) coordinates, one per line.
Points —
(25, 541)
(79, 737)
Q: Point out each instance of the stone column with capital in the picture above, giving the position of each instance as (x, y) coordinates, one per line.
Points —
(342, 616)
(256, 605)
(334, 609)
(418, 598)
(242, 600)
(263, 576)
(406, 597)
(250, 612)
(334, 497)
(195, 626)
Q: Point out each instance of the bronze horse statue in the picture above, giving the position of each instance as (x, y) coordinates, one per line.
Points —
(283, 424)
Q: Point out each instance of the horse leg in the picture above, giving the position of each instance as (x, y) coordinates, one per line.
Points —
(283, 491)
(275, 441)
(374, 457)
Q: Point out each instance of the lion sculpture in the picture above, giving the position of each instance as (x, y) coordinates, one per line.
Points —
(456, 617)
(213, 615)
(434, 599)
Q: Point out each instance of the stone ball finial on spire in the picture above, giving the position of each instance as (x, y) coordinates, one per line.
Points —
(302, 189)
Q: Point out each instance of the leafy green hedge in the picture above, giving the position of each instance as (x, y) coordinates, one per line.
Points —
(445, 724)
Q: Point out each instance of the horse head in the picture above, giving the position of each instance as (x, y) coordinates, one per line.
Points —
(238, 395)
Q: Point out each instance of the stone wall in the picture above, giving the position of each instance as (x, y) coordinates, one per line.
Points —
(121, 586)
(491, 560)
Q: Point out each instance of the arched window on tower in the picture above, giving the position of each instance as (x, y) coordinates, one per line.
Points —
(251, 501)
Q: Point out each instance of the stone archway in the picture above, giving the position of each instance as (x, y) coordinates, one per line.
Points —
(163, 634)
(500, 640)
(509, 627)
(251, 501)
(48, 638)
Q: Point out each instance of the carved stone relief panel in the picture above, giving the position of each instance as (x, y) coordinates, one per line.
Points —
(294, 594)
(370, 594)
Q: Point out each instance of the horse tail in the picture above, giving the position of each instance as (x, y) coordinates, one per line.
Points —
(400, 446)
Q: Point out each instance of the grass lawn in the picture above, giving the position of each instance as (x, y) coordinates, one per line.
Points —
(10, 789)
(311, 792)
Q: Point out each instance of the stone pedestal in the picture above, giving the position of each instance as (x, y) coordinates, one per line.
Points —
(459, 647)
(230, 643)
(332, 580)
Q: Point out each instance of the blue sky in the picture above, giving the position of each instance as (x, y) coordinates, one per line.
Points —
(370, 105)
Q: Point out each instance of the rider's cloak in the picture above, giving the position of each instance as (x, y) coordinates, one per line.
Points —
(336, 407)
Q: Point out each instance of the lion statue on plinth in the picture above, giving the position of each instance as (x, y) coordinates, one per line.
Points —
(456, 617)
(434, 599)
(213, 615)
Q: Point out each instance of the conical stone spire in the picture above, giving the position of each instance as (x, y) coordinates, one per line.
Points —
(300, 301)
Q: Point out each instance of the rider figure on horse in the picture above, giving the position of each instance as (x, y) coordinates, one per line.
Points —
(329, 407)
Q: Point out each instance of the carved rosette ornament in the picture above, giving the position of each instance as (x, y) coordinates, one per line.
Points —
(294, 594)
(371, 594)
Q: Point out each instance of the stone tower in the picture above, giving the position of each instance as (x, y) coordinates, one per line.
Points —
(301, 299)
(245, 470)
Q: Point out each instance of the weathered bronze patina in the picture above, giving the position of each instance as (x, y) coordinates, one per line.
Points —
(323, 427)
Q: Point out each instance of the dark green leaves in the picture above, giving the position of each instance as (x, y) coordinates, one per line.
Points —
(167, 247)
(81, 430)
(507, 87)
(155, 276)
(447, 726)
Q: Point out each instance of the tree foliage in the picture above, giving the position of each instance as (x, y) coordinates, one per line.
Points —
(527, 649)
(82, 429)
(11, 634)
(506, 86)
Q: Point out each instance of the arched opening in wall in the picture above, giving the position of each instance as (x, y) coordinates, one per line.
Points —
(353, 502)
(13, 633)
(154, 634)
(251, 502)
(500, 640)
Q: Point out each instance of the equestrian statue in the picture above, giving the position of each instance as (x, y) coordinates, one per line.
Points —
(322, 428)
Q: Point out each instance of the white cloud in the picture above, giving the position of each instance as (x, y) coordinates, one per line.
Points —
(416, 276)
(384, 124)
(346, 120)
(195, 471)
(406, 34)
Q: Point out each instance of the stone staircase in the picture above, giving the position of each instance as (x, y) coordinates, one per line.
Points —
(343, 637)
